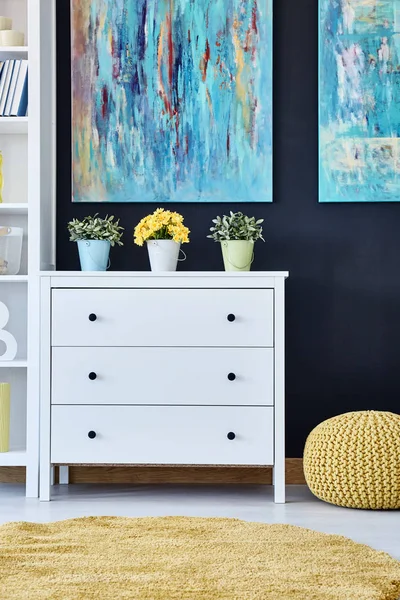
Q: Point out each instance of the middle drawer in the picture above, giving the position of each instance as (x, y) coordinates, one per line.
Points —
(202, 376)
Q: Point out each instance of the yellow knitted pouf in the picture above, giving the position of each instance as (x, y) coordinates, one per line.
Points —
(353, 460)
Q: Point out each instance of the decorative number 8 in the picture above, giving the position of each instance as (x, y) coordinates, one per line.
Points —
(5, 336)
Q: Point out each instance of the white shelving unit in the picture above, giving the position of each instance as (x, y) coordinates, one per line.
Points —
(14, 364)
(14, 212)
(13, 279)
(8, 52)
(13, 208)
(27, 145)
(13, 125)
(13, 458)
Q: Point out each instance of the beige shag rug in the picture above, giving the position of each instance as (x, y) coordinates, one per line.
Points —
(188, 558)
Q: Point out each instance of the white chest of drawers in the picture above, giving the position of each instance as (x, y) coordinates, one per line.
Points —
(169, 368)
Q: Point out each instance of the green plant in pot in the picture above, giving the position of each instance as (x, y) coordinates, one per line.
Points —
(237, 234)
(94, 237)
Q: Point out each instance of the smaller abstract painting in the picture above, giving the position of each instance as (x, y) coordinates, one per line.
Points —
(359, 112)
(172, 100)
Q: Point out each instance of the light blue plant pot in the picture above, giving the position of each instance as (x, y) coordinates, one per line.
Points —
(94, 254)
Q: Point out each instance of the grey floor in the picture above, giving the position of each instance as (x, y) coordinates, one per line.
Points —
(379, 529)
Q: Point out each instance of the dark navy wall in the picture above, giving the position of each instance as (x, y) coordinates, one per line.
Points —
(343, 296)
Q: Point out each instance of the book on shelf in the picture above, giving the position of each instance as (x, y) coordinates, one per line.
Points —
(3, 78)
(14, 88)
(7, 80)
(11, 89)
(19, 106)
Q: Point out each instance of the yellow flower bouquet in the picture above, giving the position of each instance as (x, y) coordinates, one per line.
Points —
(161, 225)
(164, 232)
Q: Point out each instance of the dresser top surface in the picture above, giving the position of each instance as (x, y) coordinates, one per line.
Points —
(177, 274)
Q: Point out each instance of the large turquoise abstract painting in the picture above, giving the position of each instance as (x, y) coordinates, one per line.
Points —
(359, 100)
(172, 100)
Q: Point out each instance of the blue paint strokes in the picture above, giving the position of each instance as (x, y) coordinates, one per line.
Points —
(172, 100)
(359, 101)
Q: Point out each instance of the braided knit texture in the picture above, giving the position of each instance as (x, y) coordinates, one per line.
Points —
(353, 460)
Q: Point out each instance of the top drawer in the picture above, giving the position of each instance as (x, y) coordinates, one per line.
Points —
(162, 317)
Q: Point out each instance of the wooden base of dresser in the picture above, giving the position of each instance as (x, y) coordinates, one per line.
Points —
(174, 475)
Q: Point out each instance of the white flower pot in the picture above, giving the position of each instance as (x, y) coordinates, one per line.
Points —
(163, 254)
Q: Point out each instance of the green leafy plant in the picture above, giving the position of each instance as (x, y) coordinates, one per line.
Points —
(95, 228)
(236, 226)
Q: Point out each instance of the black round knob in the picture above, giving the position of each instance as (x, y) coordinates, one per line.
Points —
(92, 376)
(231, 376)
(92, 435)
(231, 435)
(231, 317)
(92, 317)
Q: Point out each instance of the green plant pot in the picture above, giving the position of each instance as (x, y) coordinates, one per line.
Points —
(238, 255)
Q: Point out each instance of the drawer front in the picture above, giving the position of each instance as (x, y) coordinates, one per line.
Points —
(162, 317)
(162, 435)
(213, 376)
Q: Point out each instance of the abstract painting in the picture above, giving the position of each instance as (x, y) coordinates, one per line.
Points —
(172, 100)
(359, 100)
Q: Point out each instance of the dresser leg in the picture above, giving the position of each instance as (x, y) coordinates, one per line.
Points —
(279, 411)
(45, 483)
(279, 485)
(52, 475)
(46, 470)
(63, 475)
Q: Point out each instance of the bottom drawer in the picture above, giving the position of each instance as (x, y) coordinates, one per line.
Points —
(162, 435)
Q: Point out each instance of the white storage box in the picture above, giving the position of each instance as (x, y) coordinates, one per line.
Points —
(10, 249)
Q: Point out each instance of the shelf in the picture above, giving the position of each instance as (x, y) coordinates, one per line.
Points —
(7, 52)
(13, 278)
(13, 208)
(13, 364)
(14, 458)
(13, 125)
